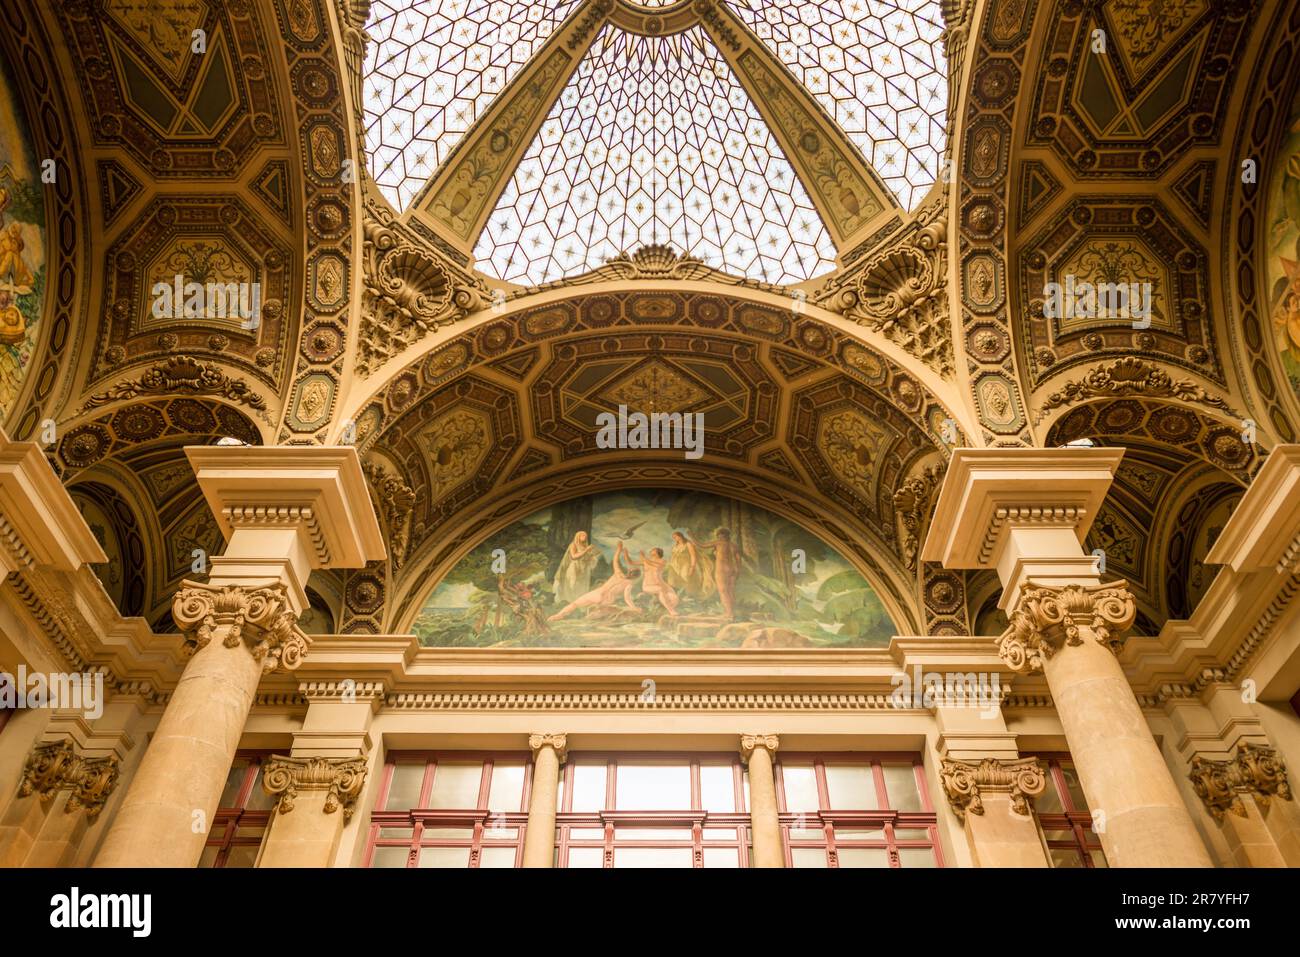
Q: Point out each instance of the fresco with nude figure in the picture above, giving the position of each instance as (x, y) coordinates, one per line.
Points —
(659, 568)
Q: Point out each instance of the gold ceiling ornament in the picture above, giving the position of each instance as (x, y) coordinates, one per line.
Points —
(393, 501)
(342, 780)
(1046, 618)
(409, 289)
(1254, 770)
(261, 618)
(1131, 376)
(963, 782)
(912, 500)
(352, 20)
(182, 375)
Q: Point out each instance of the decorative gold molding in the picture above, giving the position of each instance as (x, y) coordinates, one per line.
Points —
(1255, 770)
(341, 778)
(280, 516)
(963, 782)
(749, 743)
(912, 500)
(95, 782)
(1045, 618)
(182, 375)
(57, 766)
(1130, 376)
(393, 502)
(558, 742)
(1070, 515)
(261, 618)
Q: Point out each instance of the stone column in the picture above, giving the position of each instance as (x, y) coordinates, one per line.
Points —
(60, 794)
(284, 511)
(992, 798)
(316, 798)
(1250, 797)
(758, 751)
(549, 752)
(1026, 513)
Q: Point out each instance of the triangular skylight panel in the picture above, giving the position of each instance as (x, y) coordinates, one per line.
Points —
(654, 141)
(877, 67)
(432, 68)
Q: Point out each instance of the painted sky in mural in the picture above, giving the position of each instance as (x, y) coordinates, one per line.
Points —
(22, 243)
(1284, 250)
(654, 569)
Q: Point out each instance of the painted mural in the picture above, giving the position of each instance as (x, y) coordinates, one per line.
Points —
(22, 243)
(1284, 250)
(654, 569)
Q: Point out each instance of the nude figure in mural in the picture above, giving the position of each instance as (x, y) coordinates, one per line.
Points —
(653, 583)
(726, 569)
(619, 583)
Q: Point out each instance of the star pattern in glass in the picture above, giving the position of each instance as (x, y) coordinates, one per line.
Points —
(432, 68)
(654, 141)
(877, 67)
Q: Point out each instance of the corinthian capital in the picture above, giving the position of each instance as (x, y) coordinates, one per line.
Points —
(963, 781)
(559, 742)
(341, 779)
(49, 767)
(1046, 618)
(749, 743)
(260, 617)
(1255, 770)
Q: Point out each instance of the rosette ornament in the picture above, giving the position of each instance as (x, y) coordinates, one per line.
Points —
(261, 618)
(1046, 618)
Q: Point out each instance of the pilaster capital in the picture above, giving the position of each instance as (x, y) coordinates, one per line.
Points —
(1046, 618)
(963, 782)
(749, 743)
(259, 616)
(341, 778)
(1255, 770)
(558, 742)
(56, 766)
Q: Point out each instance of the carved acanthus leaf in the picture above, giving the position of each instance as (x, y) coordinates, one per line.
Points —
(912, 500)
(393, 502)
(261, 618)
(1131, 376)
(57, 766)
(341, 778)
(963, 781)
(1046, 618)
(182, 375)
(1254, 770)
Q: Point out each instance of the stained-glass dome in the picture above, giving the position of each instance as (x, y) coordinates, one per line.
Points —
(655, 138)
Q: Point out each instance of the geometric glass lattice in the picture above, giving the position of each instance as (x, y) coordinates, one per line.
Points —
(654, 141)
(877, 67)
(432, 68)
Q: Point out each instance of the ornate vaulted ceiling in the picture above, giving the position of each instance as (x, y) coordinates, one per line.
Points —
(417, 297)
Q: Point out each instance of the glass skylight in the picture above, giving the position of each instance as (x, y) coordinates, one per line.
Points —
(432, 68)
(877, 67)
(654, 141)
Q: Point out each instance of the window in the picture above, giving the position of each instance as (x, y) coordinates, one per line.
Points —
(1065, 819)
(242, 815)
(653, 811)
(851, 810)
(450, 809)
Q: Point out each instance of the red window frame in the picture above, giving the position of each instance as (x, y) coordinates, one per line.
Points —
(707, 828)
(1075, 819)
(232, 820)
(488, 828)
(889, 821)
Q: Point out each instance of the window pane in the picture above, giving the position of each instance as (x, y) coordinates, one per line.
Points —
(1064, 857)
(717, 788)
(497, 831)
(900, 785)
(721, 857)
(862, 856)
(1072, 785)
(807, 834)
(456, 784)
(209, 856)
(852, 787)
(404, 790)
(800, 787)
(444, 857)
(916, 857)
(390, 857)
(447, 833)
(860, 834)
(1098, 859)
(653, 857)
(507, 790)
(242, 856)
(234, 781)
(586, 833)
(497, 857)
(400, 833)
(807, 856)
(1049, 802)
(719, 834)
(258, 799)
(589, 787)
(653, 787)
(911, 834)
(586, 857)
(652, 833)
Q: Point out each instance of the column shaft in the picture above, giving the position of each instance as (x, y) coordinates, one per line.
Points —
(539, 835)
(765, 824)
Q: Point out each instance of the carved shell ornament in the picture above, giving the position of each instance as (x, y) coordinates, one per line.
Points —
(415, 283)
(893, 283)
